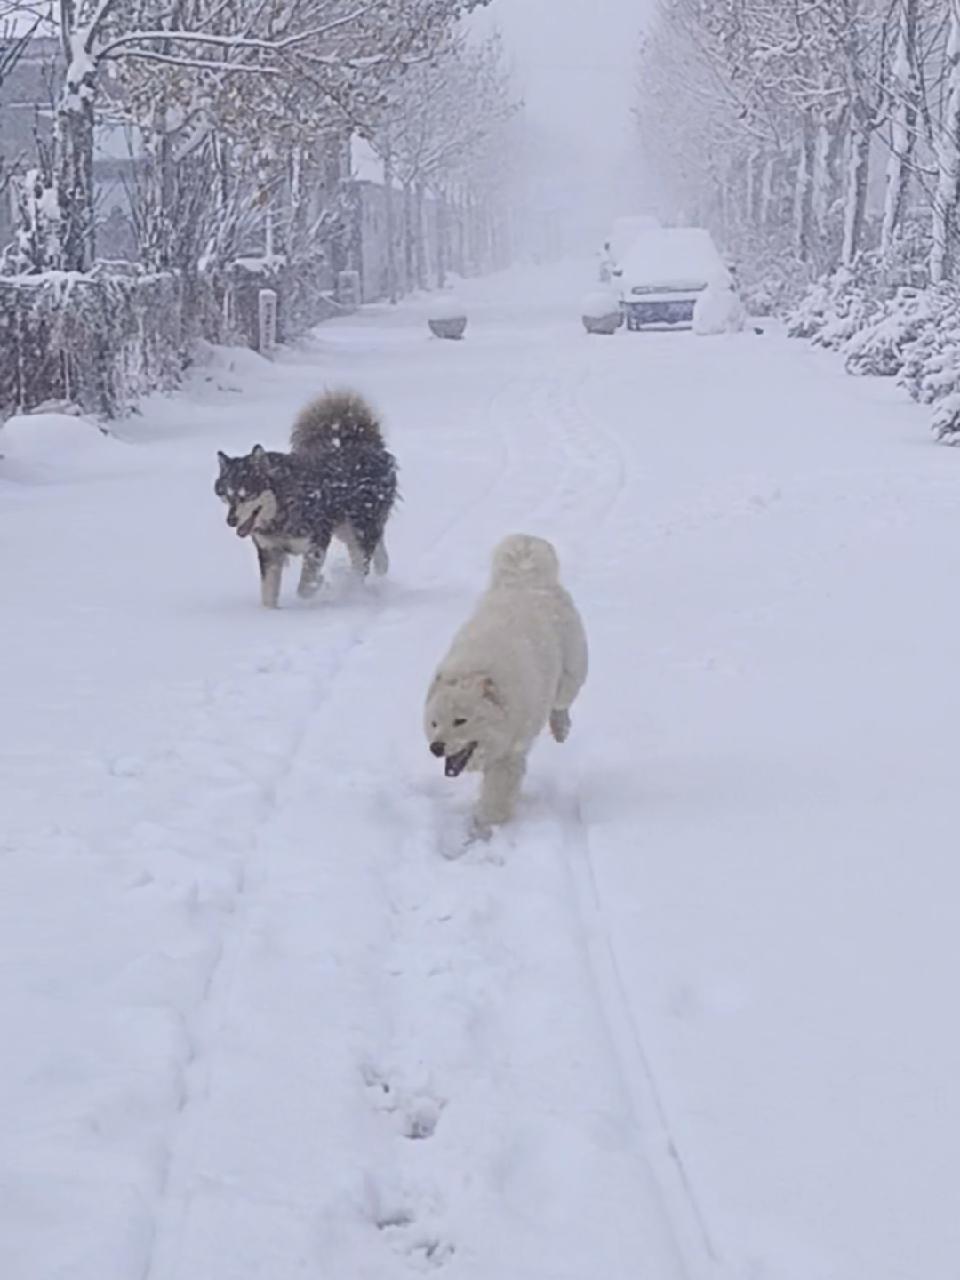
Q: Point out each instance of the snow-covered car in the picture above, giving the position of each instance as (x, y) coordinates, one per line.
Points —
(664, 273)
(623, 235)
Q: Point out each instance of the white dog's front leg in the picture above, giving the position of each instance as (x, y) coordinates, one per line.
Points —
(560, 724)
(499, 792)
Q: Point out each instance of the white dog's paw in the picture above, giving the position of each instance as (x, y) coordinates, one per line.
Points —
(480, 830)
(560, 725)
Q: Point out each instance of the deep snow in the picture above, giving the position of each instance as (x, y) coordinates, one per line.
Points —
(690, 1016)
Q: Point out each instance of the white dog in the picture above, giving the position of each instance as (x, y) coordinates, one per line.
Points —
(513, 668)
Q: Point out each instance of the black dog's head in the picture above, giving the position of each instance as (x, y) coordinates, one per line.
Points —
(246, 485)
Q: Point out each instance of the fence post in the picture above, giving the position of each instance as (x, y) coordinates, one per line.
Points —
(267, 320)
(348, 290)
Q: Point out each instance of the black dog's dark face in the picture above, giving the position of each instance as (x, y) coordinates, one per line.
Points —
(244, 484)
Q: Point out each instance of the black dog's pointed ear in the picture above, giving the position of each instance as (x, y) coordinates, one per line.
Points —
(257, 452)
(223, 458)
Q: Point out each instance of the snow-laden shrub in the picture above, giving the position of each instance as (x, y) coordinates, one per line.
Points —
(879, 347)
(98, 340)
(916, 359)
(808, 317)
(931, 361)
(855, 307)
(836, 307)
(765, 297)
(946, 420)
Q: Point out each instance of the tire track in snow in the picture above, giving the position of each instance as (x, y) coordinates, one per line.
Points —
(593, 450)
(673, 1176)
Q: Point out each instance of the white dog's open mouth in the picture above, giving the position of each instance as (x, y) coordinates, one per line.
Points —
(455, 765)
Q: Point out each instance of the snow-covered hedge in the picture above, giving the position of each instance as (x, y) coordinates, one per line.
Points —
(99, 340)
(910, 333)
(104, 339)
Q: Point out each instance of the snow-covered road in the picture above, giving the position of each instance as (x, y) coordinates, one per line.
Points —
(690, 1017)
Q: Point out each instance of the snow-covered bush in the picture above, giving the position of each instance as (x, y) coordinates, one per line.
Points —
(879, 347)
(946, 420)
(836, 308)
(931, 361)
(930, 369)
(811, 313)
(98, 340)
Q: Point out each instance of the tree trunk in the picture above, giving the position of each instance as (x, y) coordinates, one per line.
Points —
(948, 161)
(391, 228)
(767, 194)
(75, 177)
(460, 235)
(420, 242)
(902, 127)
(858, 177)
(409, 239)
(803, 210)
(442, 235)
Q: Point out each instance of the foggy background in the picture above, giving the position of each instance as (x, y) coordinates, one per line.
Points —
(575, 67)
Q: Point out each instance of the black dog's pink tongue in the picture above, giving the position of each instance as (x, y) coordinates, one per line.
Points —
(247, 527)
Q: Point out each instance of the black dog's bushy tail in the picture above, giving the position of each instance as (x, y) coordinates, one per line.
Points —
(336, 419)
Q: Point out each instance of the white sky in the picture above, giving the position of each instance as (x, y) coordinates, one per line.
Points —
(575, 62)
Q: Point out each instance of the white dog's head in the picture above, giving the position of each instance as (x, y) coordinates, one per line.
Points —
(464, 721)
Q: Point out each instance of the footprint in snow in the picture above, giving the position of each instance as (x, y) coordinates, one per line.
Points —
(417, 1111)
(396, 1220)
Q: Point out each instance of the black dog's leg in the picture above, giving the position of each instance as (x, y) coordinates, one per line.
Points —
(271, 573)
(381, 559)
(311, 574)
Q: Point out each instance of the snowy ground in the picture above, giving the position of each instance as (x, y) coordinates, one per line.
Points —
(690, 1017)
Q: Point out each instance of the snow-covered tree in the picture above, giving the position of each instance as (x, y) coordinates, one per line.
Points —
(204, 60)
(440, 122)
(765, 119)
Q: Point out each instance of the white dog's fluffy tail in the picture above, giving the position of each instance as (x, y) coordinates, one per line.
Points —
(522, 559)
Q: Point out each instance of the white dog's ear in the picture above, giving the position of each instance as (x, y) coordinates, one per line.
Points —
(490, 692)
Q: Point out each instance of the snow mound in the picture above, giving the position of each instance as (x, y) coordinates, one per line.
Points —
(719, 308)
(45, 448)
(446, 308)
